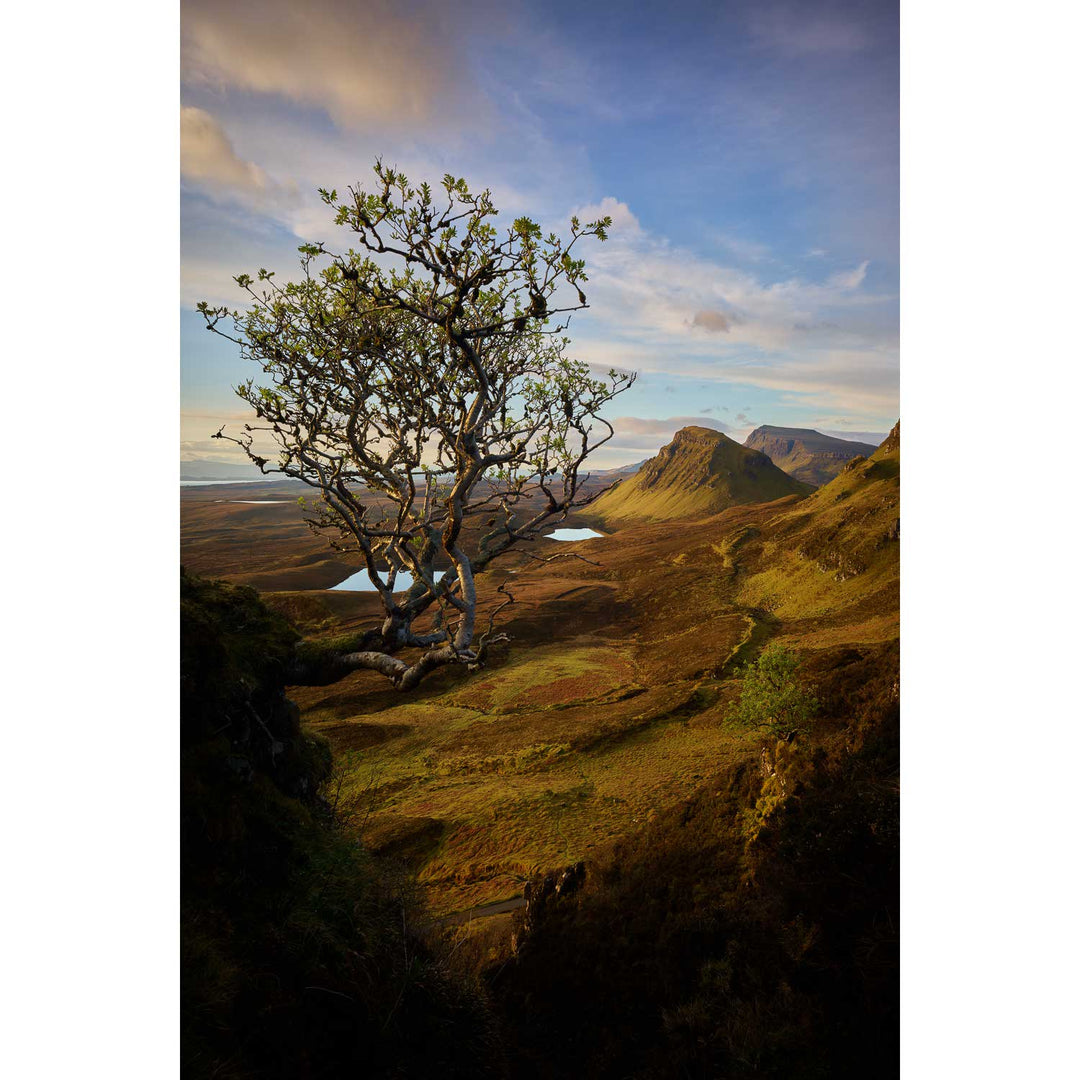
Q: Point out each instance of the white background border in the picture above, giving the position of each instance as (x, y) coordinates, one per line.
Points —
(989, 408)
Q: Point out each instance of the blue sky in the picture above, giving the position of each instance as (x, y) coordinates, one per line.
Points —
(748, 152)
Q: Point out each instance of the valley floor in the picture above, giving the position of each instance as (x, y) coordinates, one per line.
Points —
(610, 702)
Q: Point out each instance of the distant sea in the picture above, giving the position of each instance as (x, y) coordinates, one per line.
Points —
(204, 483)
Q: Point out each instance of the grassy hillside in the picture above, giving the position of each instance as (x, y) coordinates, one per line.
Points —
(699, 473)
(612, 699)
(738, 912)
(750, 930)
(806, 454)
(846, 534)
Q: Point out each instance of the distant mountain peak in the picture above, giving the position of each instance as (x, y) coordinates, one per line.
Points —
(693, 433)
(699, 473)
(806, 454)
(205, 469)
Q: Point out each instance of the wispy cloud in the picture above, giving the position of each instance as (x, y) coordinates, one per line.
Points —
(197, 428)
(209, 160)
(373, 66)
(206, 154)
(801, 29)
(662, 309)
(638, 437)
(850, 279)
(641, 425)
(715, 322)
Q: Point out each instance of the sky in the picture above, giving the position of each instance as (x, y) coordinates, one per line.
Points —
(747, 152)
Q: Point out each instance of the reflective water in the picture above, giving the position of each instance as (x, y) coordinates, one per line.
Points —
(572, 534)
(360, 582)
(210, 483)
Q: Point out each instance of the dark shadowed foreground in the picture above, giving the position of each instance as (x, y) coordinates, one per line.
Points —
(299, 953)
(750, 931)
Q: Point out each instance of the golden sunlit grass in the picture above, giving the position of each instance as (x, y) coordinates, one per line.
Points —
(610, 703)
(527, 767)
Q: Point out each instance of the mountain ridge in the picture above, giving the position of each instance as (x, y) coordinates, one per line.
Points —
(205, 469)
(806, 454)
(700, 472)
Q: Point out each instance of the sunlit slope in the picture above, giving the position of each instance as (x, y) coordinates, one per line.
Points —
(612, 698)
(699, 473)
(836, 555)
(806, 454)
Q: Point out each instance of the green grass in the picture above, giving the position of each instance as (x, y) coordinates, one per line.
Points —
(759, 628)
(573, 737)
(528, 767)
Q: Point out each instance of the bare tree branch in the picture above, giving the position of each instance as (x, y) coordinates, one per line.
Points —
(415, 398)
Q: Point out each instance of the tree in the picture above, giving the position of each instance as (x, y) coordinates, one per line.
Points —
(772, 695)
(417, 383)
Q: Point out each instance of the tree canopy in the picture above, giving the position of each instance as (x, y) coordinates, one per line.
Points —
(416, 380)
(772, 696)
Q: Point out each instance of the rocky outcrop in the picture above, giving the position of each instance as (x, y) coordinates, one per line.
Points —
(541, 895)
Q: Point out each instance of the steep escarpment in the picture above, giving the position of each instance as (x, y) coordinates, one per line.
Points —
(750, 930)
(837, 551)
(700, 472)
(301, 954)
(806, 454)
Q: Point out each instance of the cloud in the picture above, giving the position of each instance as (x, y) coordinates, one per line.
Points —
(197, 427)
(211, 450)
(713, 321)
(623, 221)
(875, 438)
(799, 29)
(210, 162)
(660, 308)
(209, 277)
(641, 425)
(376, 65)
(640, 437)
(650, 284)
(637, 437)
(206, 154)
(852, 279)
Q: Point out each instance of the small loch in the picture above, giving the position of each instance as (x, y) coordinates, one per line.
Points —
(572, 534)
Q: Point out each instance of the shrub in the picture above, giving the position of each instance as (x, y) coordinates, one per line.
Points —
(772, 695)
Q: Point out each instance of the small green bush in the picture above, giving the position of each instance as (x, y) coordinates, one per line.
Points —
(773, 697)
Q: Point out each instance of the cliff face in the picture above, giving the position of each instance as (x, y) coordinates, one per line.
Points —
(700, 472)
(291, 935)
(805, 454)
